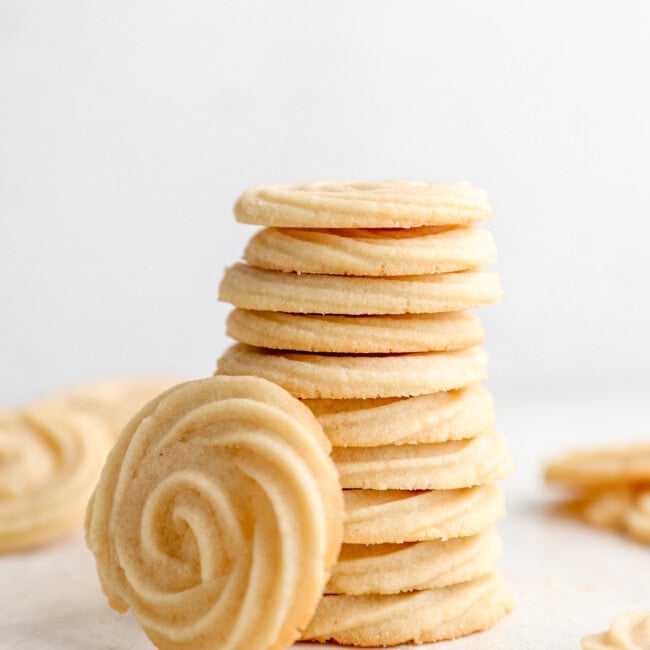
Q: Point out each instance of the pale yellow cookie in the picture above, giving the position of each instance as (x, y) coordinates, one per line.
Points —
(115, 400)
(376, 252)
(394, 516)
(416, 617)
(356, 334)
(438, 417)
(432, 466)
(313, 375)
(628, 632)
(345, 204)
(625, 508)
(50, 460)
(603, 466)
(637, 517)
(394, 568)
(218, 516)
(252, 288)
(604, 508)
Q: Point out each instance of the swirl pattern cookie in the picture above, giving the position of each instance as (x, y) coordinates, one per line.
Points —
(628, 632)
(252, 288)
(356, 334)
(438, 417)
(312, 375)
(376, 252)
(394, 568)
(50, 460)
(623, 508)
(604, 508)
(418, 617)
(437, 466)
(218, 516)
(637, 517)
(591, 468)
(397, 516)
(344, 204)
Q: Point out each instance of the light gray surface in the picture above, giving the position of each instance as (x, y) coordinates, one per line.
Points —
(568, 580)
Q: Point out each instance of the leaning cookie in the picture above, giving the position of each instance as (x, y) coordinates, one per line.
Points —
(345, 204)
(394, 568)
(418, 617)
(218, 516)
(396, 516)
(359, 376)
(437, 466)
(50, 460)
(252, 288)
(356, 334)
(437, 417)
(373, 252)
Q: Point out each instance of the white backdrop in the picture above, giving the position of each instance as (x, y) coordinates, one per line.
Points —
(128, 129)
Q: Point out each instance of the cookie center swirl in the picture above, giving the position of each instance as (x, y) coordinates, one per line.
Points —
(215, 500)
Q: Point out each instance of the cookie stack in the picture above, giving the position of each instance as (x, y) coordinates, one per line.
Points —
(354, 298)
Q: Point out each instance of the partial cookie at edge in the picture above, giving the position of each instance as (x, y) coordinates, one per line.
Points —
(51, 459)
(600, 467)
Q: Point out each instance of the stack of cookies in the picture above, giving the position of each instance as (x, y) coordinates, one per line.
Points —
(355, 299)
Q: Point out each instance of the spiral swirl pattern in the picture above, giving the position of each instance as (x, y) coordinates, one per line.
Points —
(216, 508)
(50, 460)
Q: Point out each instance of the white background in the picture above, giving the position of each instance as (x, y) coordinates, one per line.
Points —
(128, 129)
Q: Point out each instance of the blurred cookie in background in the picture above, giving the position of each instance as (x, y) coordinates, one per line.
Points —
(52, 453)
